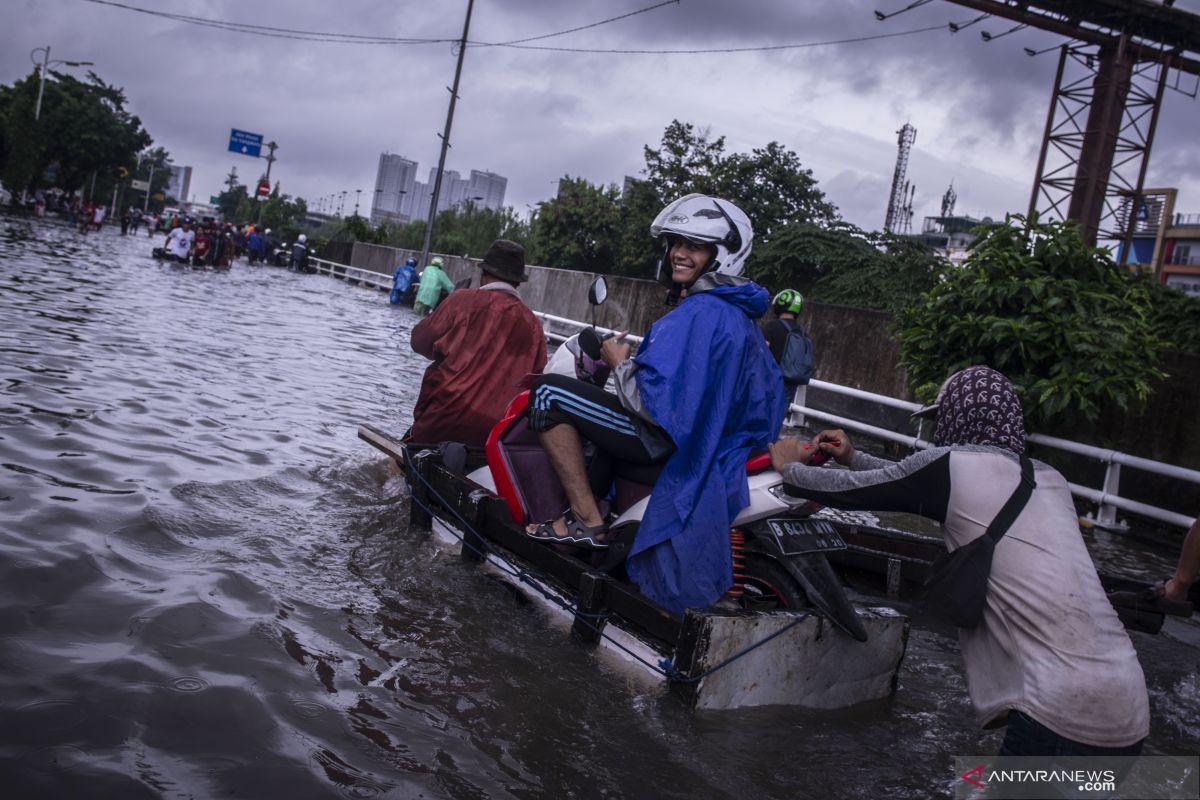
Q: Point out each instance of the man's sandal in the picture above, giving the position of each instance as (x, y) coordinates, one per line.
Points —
(577, 534)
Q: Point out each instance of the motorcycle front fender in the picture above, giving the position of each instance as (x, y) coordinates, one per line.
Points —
(820, 583)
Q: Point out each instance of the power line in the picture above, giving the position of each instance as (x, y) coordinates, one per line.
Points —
(349, 38)
(516, 44)
(270, 31)
(710, 50)
(585, 27)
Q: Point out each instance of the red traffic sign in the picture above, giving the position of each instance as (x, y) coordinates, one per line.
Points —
(264, 189)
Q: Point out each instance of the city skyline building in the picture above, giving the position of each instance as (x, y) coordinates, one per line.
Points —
(399, 197)
(394, 183)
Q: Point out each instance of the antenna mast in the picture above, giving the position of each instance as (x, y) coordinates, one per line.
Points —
(899, 211)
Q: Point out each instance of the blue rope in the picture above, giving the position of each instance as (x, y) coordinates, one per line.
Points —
(665, 667)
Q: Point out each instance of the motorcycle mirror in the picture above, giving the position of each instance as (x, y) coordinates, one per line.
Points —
(598, 291)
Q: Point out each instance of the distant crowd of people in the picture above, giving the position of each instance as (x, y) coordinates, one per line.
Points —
(208, 243)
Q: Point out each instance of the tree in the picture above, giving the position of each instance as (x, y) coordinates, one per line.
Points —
(637, 254)
(685, 161)
(160, 160)
(578, 229)
(769, 183)
(894, 277)
(1175, 316)
(283, 215)
(1056, 315)
(470, 230)
(801, 253)
(230, 200)
(84, 130)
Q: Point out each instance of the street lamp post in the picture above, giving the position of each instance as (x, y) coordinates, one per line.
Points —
(149, 183)
(42, 66)
(357, 197)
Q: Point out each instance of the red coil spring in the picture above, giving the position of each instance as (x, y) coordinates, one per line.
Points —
(737, 543)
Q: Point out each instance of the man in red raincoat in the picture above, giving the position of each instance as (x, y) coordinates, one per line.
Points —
(482, 342)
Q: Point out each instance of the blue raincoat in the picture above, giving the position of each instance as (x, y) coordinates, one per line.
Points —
(401, 280)
(707, 377)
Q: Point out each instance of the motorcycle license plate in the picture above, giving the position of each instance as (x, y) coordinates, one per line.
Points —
(799, 536)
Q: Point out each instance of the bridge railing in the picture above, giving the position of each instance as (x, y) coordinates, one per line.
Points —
(1107, 498)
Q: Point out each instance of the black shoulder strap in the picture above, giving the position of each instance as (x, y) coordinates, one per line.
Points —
(1016, 502)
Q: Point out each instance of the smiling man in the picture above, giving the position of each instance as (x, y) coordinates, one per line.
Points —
(699, 395)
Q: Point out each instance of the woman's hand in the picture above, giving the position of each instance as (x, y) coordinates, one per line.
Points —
(615, 350)
(837, 444)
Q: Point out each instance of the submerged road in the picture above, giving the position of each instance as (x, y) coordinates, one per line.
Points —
(208, 587)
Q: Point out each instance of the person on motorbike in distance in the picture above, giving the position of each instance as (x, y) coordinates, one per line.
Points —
(699, 395)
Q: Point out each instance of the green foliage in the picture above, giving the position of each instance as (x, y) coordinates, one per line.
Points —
(469, 230)
(1053, 313)
(595, 228)
(22, 146)
(802, 253)
(637, 255)
(161, 161)
(578, 229)
(84, 129)
(1175, 316)
(892, 278)
(466, 230)
(230, 200)
(768, 183)
(283, 215)
(685, 161)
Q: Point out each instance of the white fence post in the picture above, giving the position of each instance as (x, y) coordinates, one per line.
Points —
(1106, 513)
(796, 418)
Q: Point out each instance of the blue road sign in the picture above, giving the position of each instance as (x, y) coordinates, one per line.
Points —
(248, 144)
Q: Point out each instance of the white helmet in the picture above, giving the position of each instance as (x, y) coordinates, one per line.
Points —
(706, 220)
(267, 232)
(302, 238)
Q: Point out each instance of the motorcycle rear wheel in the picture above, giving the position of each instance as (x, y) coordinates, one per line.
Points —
(768, 586)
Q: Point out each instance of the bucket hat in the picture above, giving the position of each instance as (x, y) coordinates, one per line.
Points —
(506, 260)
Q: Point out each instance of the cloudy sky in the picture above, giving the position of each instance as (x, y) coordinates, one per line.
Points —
(534, 115)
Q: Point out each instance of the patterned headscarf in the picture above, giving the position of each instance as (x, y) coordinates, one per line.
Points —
(977, 405)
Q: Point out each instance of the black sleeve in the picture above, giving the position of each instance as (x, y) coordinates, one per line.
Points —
(920, 484)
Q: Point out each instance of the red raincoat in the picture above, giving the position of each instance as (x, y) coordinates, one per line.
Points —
(482, 342)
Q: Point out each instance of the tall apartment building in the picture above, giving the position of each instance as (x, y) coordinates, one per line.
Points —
(486, 189)
(394, 185)
(179, 184)
(399, 197)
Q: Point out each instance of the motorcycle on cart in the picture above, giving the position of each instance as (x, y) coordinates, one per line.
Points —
(778, 548)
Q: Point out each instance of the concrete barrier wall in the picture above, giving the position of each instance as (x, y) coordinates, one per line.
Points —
(632, 304)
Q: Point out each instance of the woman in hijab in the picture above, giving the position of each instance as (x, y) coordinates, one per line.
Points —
(1050, 658)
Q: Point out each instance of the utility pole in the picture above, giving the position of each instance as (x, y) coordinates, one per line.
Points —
(437, 183)
(271, 147)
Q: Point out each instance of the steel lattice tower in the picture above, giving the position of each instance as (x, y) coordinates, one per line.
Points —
(899, 211)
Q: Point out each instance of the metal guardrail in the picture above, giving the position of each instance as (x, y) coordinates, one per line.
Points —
(1107, 499)
(352, 274)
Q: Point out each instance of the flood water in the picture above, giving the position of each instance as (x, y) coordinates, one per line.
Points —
(208, 587)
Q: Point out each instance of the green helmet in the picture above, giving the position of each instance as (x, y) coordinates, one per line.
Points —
(789, 301)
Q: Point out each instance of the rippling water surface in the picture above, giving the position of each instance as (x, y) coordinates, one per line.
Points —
(208, 587)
